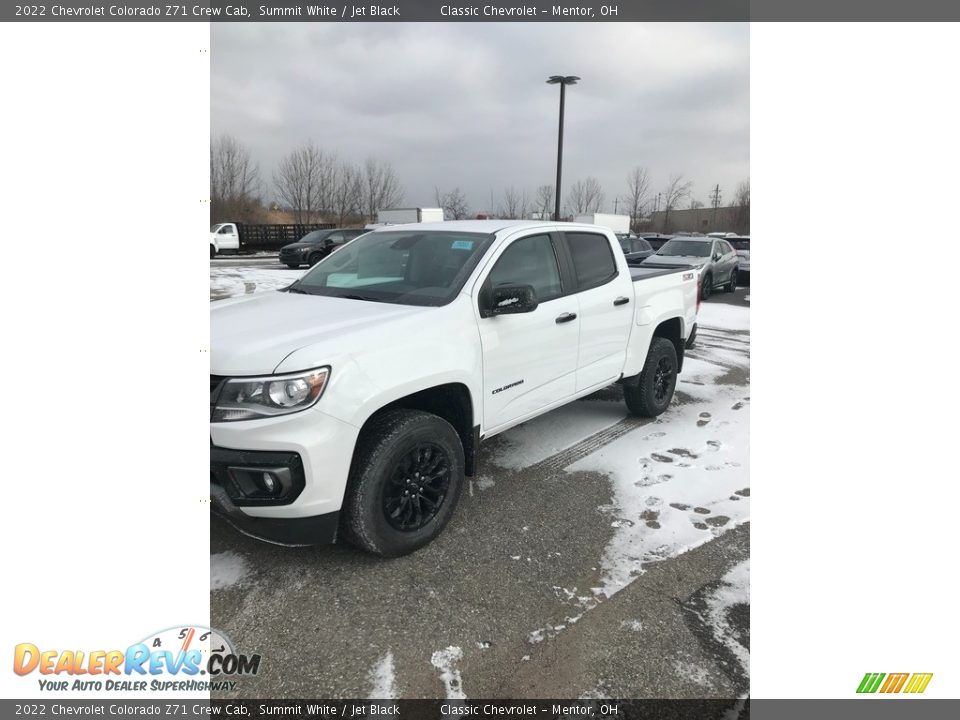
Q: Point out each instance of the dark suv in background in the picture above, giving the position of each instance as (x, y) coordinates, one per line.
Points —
(315, 246)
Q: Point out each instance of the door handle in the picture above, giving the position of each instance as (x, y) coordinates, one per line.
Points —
(566, 317)
(621, 301)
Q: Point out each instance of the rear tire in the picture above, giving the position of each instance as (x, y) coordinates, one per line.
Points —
(405, 481)
(293, 266)
(652, 393)
(732, 285)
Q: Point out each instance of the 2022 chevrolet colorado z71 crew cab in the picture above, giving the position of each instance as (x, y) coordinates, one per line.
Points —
(351, 404)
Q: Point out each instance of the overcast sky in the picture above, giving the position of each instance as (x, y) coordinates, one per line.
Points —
(466, 104)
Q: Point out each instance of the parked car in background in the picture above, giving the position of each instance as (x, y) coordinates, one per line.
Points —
(741, 243)
(656, 240)
(230, 238)
(716, 259)
(635, 249)
(315, 246)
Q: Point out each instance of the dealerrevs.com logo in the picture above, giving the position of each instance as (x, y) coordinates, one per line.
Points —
(911, 683)
(183, 659)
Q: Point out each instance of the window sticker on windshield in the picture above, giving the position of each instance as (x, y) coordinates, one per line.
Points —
(462, 245)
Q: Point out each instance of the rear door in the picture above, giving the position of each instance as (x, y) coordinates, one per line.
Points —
(606, 299)
(529, 359)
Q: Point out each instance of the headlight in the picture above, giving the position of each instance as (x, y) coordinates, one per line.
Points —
(260, 397)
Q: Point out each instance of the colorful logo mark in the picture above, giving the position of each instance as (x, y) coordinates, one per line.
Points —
(894, 682)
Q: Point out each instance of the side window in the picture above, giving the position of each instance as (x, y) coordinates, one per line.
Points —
(225, 230)
(641, 246)
(333, 238)
(531, 261)
(727, 248)
(592, 259)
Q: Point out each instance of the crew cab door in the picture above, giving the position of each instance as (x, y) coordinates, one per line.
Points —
(605, 295)
(529, 359)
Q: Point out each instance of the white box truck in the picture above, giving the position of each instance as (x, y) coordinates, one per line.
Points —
(617, 223)
(399, 216)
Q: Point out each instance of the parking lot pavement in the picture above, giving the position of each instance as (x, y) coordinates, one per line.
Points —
(594, 554)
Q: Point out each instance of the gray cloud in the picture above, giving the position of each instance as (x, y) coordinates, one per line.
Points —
(466, 103)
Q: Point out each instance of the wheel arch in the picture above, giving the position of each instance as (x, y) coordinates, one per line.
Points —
(672, 330)
(450, 401)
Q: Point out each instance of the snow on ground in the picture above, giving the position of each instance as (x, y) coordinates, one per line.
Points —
(230, 281)
(555, 431)
(734, 589)
(445, 661)
(383, 679)
(227, 569)
(722, 315)
(677, 482)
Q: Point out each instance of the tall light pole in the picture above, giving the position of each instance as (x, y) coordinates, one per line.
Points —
(562, 81)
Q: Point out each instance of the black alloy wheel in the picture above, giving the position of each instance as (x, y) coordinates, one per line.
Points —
(417, 488)
(663, 379)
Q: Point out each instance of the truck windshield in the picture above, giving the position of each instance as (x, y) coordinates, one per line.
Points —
(412, 267)
(686, 248)
(214, 228)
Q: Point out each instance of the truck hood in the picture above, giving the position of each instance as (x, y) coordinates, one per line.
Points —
(253, 334)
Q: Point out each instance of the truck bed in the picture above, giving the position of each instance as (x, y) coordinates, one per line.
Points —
(651, 271)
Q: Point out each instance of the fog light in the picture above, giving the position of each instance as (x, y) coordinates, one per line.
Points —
(269, 483)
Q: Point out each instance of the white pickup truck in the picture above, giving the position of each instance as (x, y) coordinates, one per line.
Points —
(351, 404)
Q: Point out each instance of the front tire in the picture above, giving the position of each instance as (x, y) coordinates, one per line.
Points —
(292, 266)
(405, 481)
(314, 259)
(653, 391)
(213, 252)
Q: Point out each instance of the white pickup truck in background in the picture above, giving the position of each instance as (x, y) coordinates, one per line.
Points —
(352, 403)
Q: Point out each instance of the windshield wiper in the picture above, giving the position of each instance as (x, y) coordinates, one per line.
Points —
(293, 289)
(360, 297)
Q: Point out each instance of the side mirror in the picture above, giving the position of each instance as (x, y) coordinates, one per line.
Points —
(510, 300)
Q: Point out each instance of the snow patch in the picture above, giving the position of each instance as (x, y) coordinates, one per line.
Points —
(444, 661)
(383, 679)
(734, 589)
(227, 569)
(545, 436)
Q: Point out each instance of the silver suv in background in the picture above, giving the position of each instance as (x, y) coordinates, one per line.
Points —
(741, 243)
(715, 257)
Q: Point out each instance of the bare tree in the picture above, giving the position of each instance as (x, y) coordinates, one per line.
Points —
(695, 204)
(235, 185)
(304, 182)
(675, 191)
(347, 193)
(638, 187)
(454, 203)
(514, 204)
(544, 201)
(381, 187)
(741, 202)
(586, 196)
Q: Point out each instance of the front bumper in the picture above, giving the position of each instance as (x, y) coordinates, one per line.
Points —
(310, 452)
(314, 530)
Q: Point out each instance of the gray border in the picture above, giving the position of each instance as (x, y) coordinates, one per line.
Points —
(537, 11)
